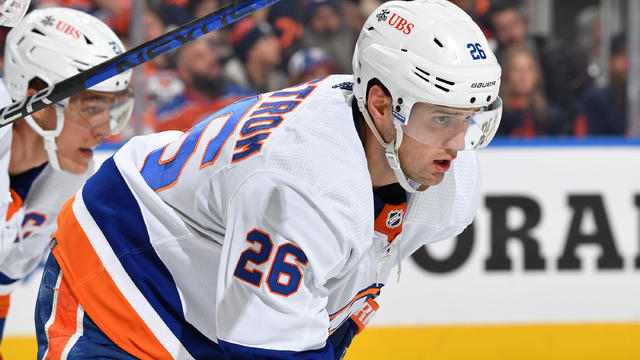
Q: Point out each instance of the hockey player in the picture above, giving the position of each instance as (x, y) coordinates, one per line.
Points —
(45, 157)
(267, 230)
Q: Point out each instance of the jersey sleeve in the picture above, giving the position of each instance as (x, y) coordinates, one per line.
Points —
(7, 233)
(283, 244)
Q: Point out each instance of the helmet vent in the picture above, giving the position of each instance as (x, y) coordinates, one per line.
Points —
(442, 88)
(435, 40)
(34, 30)
(370, 28)
(80, 62)
(422, 77)
(89, 42)
(31, 50)
(422, 71)
(446, 81)
(20, 41)
(403, 50)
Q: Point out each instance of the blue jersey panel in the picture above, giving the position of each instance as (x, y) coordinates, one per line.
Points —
(128, 237)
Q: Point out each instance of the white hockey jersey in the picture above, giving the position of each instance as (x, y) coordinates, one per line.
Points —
(29, 206)
(254, 228)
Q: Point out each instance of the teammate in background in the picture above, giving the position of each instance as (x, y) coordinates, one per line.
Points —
(45, 157)
(252, 235)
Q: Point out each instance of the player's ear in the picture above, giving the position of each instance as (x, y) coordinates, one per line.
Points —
(379, 104)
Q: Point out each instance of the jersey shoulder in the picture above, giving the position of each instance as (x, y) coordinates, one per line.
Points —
(318, 145)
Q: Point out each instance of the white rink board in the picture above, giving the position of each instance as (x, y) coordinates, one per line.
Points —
(472, 294)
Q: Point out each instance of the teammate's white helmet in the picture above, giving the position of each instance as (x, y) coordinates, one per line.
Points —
(12, 11)
(430, 51)
(56, 43)
(53, 44)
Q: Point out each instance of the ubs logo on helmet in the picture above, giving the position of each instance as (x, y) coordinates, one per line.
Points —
(47, 21)
(68, 29)
(397, 21)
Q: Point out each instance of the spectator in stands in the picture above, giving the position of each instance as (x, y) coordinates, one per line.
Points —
(355, 13)
(286, 18)
(478, 10)
(174, 12)
(587, 39)
(115, 13)
(309, 64)
(154, 27)
(526, 111)
(563, 67)
(203, 89)
(198, 8)
(256, 46)
(219, 39)
(325, 28)
(603, 108)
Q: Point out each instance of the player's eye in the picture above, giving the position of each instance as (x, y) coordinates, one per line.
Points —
(93, 110)
(441, 120)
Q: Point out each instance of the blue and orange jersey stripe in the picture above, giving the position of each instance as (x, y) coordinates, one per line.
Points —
(100, 296)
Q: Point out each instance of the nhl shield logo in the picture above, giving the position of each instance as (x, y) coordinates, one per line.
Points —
(394, 218)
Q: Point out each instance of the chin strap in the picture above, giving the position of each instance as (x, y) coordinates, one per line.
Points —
(390, 149)
(50, 136)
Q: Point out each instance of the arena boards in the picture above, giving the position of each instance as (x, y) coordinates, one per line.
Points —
(548, 270)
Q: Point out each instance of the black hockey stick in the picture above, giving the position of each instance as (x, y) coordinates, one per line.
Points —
(130, 59)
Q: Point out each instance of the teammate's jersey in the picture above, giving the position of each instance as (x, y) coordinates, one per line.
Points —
(5, 158)
(29, 205)
(254, 229)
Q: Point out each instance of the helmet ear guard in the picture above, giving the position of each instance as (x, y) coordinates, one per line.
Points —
(429, 51)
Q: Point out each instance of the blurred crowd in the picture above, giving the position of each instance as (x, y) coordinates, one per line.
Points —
(549, 87)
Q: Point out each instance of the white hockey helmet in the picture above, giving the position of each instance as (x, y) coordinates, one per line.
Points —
(429, 51)
(12, 11)
(53, 44)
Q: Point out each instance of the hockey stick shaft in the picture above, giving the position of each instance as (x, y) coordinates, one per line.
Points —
(130, 59)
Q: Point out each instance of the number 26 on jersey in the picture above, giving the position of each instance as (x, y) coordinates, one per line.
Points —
(284, 274)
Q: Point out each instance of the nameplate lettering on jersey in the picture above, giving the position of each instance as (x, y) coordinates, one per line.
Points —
(267, 116)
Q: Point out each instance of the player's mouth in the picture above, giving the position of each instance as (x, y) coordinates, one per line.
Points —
(87, 152)
(442, 165)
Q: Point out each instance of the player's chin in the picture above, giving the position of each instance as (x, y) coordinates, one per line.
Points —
(430, 179)
(75, 165)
